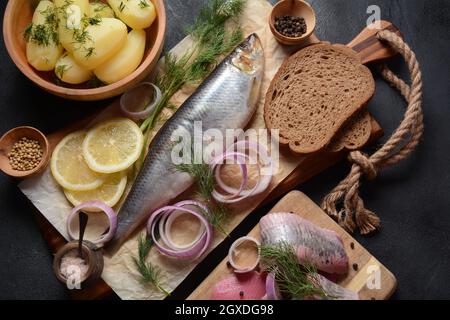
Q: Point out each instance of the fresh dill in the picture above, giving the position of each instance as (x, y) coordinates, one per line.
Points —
(143, 4)
(212, 40)
(61, 69)
(46, 33)
(89, 52)
(28, 32)
(91, 21)
(203, 176)
(149, 273)
(80, 36)
(294, 280)
(122, 6)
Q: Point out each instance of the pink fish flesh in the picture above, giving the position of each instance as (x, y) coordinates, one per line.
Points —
(321, 247)
(248, 286)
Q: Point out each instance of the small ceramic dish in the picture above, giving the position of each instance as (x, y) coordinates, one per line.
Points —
(7, 142)
(293, 8)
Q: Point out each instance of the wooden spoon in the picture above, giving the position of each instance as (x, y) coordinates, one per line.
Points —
(83, 219)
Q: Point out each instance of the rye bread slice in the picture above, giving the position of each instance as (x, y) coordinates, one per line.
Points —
(354, 134)
(314, 93)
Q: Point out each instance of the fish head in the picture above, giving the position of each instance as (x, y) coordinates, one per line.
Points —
(248, 57)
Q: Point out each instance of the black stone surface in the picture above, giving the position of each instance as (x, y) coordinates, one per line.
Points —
(412, 198)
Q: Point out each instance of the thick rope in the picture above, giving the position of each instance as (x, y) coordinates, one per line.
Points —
(402, 142)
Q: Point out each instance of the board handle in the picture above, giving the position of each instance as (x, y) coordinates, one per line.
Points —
(367, 45)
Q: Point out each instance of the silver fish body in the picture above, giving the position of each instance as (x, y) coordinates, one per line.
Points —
(227, 99)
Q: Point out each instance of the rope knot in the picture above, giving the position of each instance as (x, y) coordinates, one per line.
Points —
(404, 139)
(364, 163)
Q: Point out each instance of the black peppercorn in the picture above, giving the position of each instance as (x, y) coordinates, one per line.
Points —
(241, 294)
(290, 26)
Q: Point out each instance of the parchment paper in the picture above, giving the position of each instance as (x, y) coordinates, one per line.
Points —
(120, 272)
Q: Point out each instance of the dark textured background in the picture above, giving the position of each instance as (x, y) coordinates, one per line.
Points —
(412, 198)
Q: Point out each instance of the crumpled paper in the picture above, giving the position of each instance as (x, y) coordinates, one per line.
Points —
(120, 272)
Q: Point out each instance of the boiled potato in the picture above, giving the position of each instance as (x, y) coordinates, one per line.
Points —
(103, 41)
(67, 70)
(125, 61)
(100, 9)
(137, 14)
(70, 15)
(42, 50)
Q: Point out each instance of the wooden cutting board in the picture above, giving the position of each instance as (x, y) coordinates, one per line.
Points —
(364, 268)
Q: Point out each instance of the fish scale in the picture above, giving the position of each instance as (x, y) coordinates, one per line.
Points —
(321, 247)
(227, 99)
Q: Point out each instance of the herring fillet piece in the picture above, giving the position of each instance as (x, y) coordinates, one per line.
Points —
(321, 247)
(227, 99)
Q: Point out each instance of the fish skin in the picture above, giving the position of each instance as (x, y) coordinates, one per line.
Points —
(333, 290)
(252, 284)
(321, 247)
(227, 99)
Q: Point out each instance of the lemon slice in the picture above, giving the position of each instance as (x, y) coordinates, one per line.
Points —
(69, 168)
(109, 192)
(113, 146)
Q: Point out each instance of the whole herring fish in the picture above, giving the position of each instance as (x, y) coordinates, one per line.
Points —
(227, 99)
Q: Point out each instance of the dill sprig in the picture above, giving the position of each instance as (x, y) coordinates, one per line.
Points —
(61, 69)
(46, 33)
(212, 40)
(143, 4)
(149, 273)
(294, 280)
(204, 179)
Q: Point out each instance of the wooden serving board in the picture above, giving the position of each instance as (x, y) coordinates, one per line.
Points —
(363, 267)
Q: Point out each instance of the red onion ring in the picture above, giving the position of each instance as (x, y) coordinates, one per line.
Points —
(133, 97)
(195, 249)
(237, 195)
(233, 247)
(109, 212)
(217, 163)
(272, 292)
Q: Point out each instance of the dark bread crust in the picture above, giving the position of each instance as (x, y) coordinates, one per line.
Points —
(354, 134)
(314, 93)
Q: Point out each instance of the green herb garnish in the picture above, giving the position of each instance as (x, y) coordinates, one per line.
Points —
(143, 4)
(89, 51)
(61, 69)
(46, 33)
(93, 21)
(212, 40)
(28, 32)
(149, 273)
(121, 6)
(294, 280)
(205, 183)
(80, 36)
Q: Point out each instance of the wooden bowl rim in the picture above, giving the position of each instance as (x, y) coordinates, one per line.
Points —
(285, 39)
(45, 156)
(63, 91)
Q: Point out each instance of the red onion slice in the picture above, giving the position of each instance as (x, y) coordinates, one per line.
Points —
(139, 96)
(217, 164)
(109, 212)
(238, 269)
(195, 249)
(272, 292)
(264, 162)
